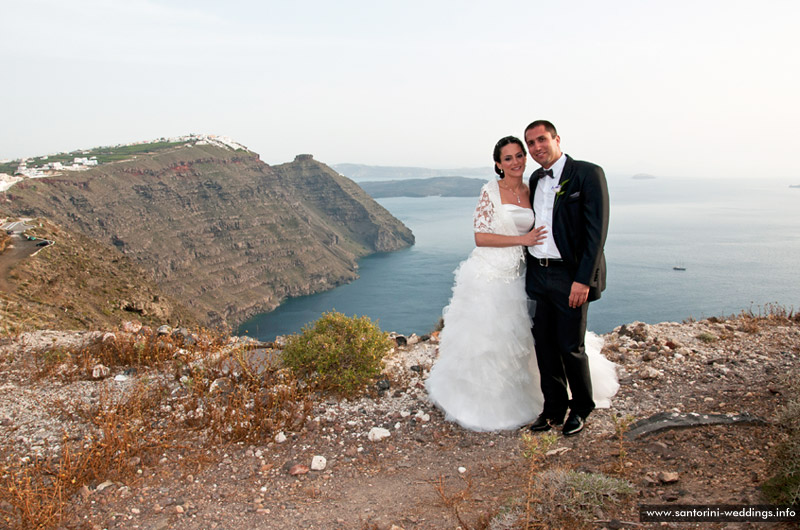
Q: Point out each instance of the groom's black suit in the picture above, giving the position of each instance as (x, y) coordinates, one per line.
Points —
(579, 228)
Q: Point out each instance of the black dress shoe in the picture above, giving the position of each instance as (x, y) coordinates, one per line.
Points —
(543, 423)
(573, 425)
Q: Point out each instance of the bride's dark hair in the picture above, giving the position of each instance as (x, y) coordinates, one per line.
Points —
(500, 145)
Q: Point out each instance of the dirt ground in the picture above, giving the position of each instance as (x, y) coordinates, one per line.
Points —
(431, 474)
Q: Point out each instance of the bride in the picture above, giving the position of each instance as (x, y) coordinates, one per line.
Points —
(486, 377)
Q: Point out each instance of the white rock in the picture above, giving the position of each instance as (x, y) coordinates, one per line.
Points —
(104, 485)
(318, 463)
(120, 378)
(280, 437)
(462, 470)
(649, 373)
(131, 327)
(557, 451)
(421, 416)
(100, 371)
(377, 434)
(668, 477)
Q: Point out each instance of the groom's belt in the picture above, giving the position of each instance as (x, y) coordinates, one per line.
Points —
(548, 262)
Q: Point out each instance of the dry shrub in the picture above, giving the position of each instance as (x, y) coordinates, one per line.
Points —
(559, 498)
(152, 349)
(452, 501)
(749, 324)
(753, 319)
(534, 448)
(771, 312)
(223, 393)
(783, 487)
(621, 425)
(37, 493)
(244, 396)
(572, 499)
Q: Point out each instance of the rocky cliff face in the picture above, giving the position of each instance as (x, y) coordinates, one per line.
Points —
(218, 229)
(78, 283)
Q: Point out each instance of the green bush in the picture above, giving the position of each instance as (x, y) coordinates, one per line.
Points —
(338, 354)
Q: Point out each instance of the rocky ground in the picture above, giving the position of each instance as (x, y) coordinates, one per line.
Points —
(390, 461)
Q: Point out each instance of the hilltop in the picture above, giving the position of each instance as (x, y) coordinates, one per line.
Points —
(213, 226)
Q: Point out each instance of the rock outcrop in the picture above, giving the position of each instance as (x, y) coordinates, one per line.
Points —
(217, 228)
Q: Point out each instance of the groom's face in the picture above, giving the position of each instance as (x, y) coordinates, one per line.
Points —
(543, 147)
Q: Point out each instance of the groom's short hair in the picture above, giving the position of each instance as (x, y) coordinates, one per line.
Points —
(549, 127)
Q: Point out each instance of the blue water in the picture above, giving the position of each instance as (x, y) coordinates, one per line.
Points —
(739, 242)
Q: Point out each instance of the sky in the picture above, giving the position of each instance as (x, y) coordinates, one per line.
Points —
(679, 88)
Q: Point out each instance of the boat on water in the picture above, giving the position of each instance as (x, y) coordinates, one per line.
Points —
(678, 268)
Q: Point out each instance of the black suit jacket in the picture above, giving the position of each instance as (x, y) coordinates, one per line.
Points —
(580, 222)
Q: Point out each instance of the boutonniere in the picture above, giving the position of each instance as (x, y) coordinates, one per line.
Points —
(560, 189)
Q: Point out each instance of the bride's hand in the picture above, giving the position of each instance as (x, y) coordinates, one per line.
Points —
(534, 237)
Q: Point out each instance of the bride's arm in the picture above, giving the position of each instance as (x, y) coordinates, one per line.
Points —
(483, 221)
(534, 237)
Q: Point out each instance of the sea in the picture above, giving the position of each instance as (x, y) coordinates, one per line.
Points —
(677, 249)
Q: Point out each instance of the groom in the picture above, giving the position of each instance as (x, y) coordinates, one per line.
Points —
(564, 274)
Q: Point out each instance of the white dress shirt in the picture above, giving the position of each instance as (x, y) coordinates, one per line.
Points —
(543, 203)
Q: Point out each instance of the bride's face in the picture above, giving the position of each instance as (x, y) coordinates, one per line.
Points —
(512, 161)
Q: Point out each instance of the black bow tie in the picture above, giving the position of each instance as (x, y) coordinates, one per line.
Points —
(544, 172)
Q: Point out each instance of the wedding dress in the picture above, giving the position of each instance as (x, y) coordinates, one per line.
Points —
(485, 377)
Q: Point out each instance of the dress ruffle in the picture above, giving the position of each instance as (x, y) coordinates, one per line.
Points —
(486, 376)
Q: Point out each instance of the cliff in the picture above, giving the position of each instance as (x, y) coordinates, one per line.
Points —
(218, 229)
(77, 283)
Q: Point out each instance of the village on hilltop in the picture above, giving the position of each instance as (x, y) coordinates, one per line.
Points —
(33, 167)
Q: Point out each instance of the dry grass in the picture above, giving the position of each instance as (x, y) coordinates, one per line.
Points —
(217, 392)
(783, 487)
(453, 501)
(534, 450)
(37, 493)
(560, 498)
(621, 426)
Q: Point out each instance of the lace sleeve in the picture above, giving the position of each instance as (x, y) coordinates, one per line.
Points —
(483, 218)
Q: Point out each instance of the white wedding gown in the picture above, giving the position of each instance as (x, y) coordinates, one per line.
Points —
(485, 377)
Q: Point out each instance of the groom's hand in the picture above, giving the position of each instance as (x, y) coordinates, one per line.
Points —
(578, 294)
